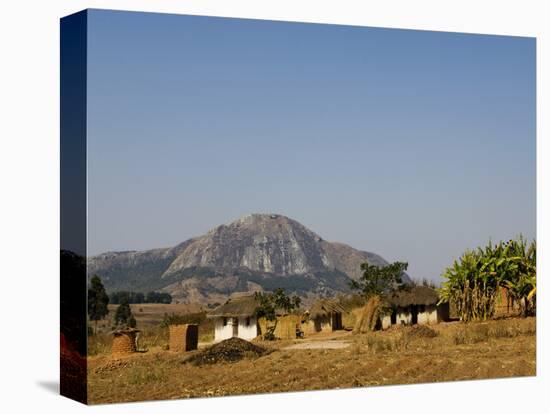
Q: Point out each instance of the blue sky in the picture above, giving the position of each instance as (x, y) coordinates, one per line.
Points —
(411, 144)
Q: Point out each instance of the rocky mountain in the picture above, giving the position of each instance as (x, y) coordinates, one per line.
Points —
(255, 252)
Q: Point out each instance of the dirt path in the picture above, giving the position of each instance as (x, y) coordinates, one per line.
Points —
(319, 345)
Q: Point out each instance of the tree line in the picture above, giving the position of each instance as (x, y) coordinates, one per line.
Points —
(116, 298)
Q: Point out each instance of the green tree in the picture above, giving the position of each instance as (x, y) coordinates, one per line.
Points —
(132, 322)
(124, 316)
(97, 301)
(270, 303)
(377, 280)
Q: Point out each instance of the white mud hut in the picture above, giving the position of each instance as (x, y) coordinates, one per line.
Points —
(325, 315)
(414, 305)
(236, 318)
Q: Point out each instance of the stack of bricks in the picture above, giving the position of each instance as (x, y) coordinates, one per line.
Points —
(124, 342)
(184, 337)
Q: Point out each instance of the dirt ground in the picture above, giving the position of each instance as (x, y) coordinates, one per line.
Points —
(401, 355)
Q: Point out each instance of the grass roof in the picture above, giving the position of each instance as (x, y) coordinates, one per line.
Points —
(416, 295)
(325, 307)
(242, 306)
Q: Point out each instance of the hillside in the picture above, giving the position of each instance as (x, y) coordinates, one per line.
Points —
(255, 252)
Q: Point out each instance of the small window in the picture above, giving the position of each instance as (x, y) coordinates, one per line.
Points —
(224, 321)
(247, 321)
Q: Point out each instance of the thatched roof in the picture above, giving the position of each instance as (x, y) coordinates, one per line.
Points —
(324, 307)
(416, 295)
(242, 306)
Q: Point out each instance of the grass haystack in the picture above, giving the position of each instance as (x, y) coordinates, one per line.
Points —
(369, 316)
(230, 350)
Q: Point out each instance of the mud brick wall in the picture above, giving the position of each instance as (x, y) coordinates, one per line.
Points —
(183, 337)
(124, 343)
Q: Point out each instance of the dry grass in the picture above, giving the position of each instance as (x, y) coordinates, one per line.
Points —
(494, 349)
(149, 317)
(150, 314)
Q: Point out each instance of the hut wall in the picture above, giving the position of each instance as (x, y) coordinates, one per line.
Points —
(222, 331)
(429, 316)
(243, 327)
(124, 343)
(386, 321)
(323, 323)
(309, 327)
(248, 328)
(183, 337)
(432, 314)
(404, 317)
(423, 318)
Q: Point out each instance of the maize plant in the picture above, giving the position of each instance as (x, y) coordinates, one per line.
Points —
(473, 282)
(522, 284)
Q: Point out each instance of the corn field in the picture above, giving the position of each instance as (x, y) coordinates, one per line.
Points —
(473, 282)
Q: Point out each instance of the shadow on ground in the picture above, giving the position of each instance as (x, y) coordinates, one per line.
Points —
(51, 386)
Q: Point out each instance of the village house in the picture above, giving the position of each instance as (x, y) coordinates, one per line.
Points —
(414, 305)
(236, 318)
(325, 315)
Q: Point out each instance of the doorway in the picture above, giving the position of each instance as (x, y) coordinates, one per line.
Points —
(235, 327)
(336, 321)
(414, 314)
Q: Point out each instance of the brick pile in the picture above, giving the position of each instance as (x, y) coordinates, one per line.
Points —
(124, 342)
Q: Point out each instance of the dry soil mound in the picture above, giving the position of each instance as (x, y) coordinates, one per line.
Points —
(230, 350)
